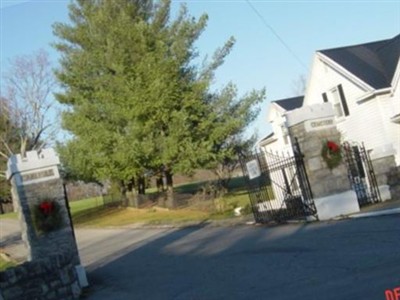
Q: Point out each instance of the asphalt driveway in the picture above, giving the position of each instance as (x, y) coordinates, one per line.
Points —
(348, 259)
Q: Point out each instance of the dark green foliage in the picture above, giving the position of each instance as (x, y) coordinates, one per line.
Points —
(332, 157)
(136, 101)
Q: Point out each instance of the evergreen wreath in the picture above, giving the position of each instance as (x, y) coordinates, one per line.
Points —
(47, 216)
(331, 154)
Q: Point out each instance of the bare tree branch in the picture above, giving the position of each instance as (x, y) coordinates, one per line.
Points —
(28, 116)
(5, 144)
(28, 85)
(299, 85)
(3, 155)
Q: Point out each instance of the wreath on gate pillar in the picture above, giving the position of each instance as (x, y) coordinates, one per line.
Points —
(47, 216)
(331, 153)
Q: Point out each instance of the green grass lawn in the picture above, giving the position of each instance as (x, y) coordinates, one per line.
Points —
(12, 215)
(80, 206)
(77, 207)
(92, 212)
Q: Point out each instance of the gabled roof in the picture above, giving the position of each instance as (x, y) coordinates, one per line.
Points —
(267, 137)
(374, 63)
(290, 103)
(267, 140)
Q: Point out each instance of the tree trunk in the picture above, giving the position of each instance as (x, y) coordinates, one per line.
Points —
(170, 203)
(141, 185)
(123, 190)
(132, 194)
(224, 176)
(160, 184)
(24, 142)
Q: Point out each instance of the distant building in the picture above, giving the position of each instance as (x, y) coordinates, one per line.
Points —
(279, 139)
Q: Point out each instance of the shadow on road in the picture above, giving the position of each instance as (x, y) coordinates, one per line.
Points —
(351, 259)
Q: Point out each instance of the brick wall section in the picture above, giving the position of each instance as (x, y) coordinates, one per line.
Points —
(40, 245)
(323, 181)
(53, 277)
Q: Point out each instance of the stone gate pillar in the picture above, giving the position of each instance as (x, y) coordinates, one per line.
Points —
(37, 187)
(313, 126)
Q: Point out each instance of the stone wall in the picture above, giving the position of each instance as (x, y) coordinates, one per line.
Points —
(393, 180)
(40, 245)
(382, 168)
(53, 277)
(324, 182)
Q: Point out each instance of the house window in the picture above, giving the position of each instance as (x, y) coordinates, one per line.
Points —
(325, 97)
(338, 100)
(337, 106)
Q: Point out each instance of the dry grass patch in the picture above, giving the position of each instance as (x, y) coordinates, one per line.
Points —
(124, 216)
(196, 210)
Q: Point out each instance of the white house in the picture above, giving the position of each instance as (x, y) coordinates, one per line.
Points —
(279, 140)
(362, 82)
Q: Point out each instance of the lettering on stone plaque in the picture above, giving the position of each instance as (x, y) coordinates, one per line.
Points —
(37, 175)
(319, 124)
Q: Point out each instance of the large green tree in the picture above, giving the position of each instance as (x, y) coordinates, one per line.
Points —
(230, 115)
(135, 99)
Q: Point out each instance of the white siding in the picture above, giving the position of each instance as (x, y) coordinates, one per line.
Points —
(390, 107)
(369, 121)
(276, 117)
(364, 125)
(324, 78)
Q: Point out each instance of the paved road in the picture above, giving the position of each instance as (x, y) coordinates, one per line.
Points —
(348, 259)
(352, 259)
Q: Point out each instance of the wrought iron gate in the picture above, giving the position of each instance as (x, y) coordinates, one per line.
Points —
(278, 186)
(361, 173)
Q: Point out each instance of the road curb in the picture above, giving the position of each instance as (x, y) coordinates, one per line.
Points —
(385, 212)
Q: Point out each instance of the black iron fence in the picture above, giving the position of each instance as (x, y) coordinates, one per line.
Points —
(278, 185)
(361, 173)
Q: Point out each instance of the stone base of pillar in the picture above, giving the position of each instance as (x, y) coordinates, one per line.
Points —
(384, 191)
(336, 205)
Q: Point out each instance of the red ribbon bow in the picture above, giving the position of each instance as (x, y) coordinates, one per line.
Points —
(46, 207)
(332, 146)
